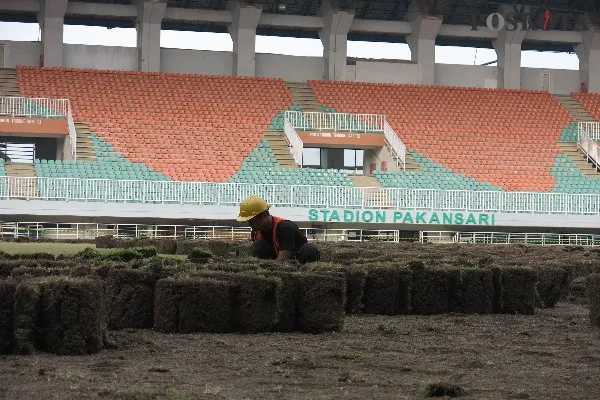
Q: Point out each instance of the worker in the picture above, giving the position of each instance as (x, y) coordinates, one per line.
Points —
(274, 237)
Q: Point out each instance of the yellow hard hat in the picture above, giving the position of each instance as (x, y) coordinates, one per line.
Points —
(251, 207)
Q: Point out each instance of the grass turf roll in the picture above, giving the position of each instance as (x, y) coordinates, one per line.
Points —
(475, 291)
(593, 295)
(7, 302)
(518, 290)
(130, 299)
(194, 305)
(71, 317)
(257, 307)
(434, 290)
(320, 302)
(551, 284)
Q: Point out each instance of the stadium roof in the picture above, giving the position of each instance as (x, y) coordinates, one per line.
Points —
(453, 12)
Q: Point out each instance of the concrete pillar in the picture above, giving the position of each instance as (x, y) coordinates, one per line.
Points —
(244, 20)
(588, 52)
(334, 36)
(51, 18)
(421, 41)
(149, 18)
(508, 50)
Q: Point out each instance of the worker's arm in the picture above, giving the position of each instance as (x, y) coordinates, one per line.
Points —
(287, 240)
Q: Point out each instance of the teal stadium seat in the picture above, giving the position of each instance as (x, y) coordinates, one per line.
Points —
(570, 179)
(431, 176)
(108, 165)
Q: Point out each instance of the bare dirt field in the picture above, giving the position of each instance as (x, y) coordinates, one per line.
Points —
(554, 354)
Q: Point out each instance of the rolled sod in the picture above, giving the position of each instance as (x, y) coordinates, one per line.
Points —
(257, 307)
(286, 315)
(518, 290)
(475, 291)
(130, 299)
(593, 295)
(320, 302)
(105, 242)
(7, 266)
(194, 305)
(167, 246)
(552, 282)
(387, 290)
(497, 306)
(7, 302)
(71, 315)
(185, 247)
(434, 290)
(27, 305)
(356, 279)
(36, 272)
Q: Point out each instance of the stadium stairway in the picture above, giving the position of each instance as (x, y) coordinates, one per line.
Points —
(85, 146)
(9, 86)
(371, 197)
(587, 169)
(21, 188)
(304, 96)
(571, 179)
(279, 145)
(590, 102)
(575, 108)
(365, 180)
(411, 164)
(568, 138)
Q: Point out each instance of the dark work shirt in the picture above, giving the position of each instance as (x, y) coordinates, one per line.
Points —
(290, 237)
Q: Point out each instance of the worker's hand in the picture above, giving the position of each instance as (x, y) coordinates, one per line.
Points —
(284, 255)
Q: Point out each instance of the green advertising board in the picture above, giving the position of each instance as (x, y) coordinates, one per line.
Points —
(401, 217)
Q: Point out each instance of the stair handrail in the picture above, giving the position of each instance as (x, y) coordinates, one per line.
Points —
(338, 122)
(396, 145)
(587, 144)
(33, 107)
(592, 129)
(295, 144)
(72, 132)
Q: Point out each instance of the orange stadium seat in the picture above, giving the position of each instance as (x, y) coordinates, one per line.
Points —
(189, 127)
(505, 137)
(589, 101)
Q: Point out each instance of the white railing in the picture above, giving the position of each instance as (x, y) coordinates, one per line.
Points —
(231, 194)
(397, 147)
(592, 129)
(339, 122)
(295, 143)
(372, 123)
(544, 239)
(41, 108)
(83, 230)
(588, 145)
(34, 107)
(72, 133)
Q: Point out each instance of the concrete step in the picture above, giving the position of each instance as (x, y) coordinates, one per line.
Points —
(365, 181)
(85, 147)
(574, 107)
(19, 170)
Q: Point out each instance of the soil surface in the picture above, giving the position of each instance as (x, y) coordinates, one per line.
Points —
(554, 354)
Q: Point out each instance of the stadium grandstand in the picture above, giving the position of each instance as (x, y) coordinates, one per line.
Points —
(170, 141)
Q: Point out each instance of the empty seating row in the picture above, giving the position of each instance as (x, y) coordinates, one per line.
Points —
(589, 101)
(469, 124)
(230, 112)
(570, 179)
